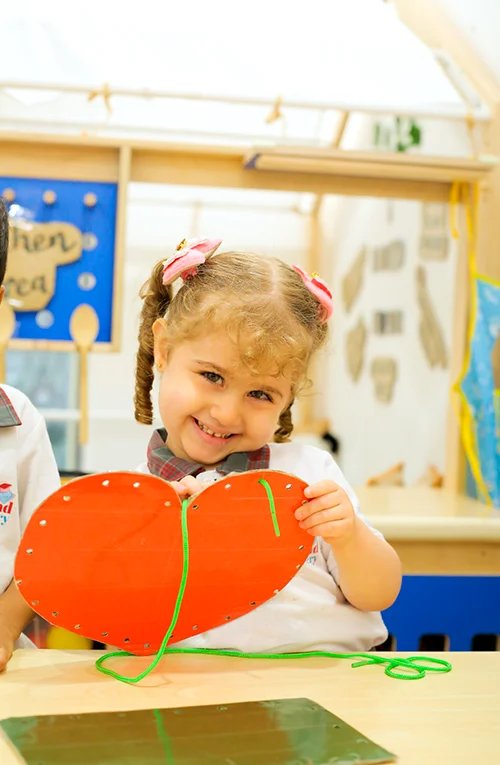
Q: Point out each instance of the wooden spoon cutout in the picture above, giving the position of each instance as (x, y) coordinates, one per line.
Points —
(84, 328)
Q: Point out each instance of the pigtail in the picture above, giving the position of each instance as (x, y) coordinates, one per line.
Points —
(285, 426)
(156, 297)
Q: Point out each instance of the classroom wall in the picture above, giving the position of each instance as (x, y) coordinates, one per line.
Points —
(411, 428)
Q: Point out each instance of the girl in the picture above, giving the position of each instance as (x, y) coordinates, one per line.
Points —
(233, 347)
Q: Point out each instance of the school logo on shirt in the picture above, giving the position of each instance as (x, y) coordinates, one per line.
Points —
(314, 554)
(6, 502)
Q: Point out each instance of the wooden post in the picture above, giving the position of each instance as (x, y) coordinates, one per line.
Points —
(124, 166)
(455, 463)
(308, 421)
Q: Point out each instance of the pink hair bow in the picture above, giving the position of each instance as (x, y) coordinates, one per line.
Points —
(321, 292)
(188, 256)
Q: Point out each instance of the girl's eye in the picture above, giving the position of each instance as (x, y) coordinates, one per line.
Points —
(260, 395)
(213, 377)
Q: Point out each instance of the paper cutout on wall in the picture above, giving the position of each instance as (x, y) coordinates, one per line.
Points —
(355, 349)
(388, 322)
(353, 281)
(431, 478)
(35, 251)
(61, 254)
(389, 258)
(394, 476)
(384, 374)
(434, 238)
(431, 335)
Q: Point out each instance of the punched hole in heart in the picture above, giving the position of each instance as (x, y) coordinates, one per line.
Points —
(227, 486)
(78, 626)
(29, 551)
(43, 523)
(194, 507)
(168, 504)
(66, 499)
(105, 483)
(127, 640)
(104, 634)
(34, 602)
(136, 485)
(55, 613)
(288, 486)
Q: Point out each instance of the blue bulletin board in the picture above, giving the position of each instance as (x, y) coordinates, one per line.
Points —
(90, 278)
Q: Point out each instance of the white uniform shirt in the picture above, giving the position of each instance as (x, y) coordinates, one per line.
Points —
(28, 475)
(311, 612)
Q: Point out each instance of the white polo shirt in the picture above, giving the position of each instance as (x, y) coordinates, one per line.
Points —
(311, 612)
(28, 474)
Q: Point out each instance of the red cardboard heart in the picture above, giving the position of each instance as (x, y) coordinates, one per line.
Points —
(103, 556)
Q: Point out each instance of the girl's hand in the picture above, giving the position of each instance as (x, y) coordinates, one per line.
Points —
(187, 486)
(328, 513)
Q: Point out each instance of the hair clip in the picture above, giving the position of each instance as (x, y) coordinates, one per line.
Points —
(188, 256)
(321, 292)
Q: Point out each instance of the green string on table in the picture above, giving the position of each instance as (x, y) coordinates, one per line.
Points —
(412, 667)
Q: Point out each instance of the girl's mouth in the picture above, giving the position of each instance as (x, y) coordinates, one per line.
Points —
(211, 433)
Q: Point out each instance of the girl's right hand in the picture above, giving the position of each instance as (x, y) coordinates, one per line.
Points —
(187, 486)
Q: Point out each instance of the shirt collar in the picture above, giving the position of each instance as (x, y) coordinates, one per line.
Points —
(163, 463)
(8, 415)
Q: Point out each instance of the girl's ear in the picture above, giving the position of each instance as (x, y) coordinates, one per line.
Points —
(160, 343)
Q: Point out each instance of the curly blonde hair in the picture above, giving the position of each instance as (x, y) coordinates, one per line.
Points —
(260, 302)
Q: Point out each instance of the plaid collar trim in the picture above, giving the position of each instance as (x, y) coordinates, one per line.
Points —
(163, 463)
(8, 415)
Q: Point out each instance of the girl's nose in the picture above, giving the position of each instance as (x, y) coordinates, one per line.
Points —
(226, 412)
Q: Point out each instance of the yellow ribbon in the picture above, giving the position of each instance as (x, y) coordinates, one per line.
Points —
(469, 196)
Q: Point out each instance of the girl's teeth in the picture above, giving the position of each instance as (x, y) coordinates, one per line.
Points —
(211, 433)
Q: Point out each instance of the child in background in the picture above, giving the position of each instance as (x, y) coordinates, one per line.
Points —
(28, 475)
(233, 347)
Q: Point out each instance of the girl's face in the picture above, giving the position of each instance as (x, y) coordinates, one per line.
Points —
(211, 405)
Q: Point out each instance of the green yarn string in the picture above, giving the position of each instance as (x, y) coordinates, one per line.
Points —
(272, 506)
(411, 668)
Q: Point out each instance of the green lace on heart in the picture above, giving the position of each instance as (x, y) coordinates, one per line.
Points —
(411, 667)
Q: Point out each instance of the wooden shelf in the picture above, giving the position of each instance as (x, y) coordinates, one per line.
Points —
(294, 169)
(362, 167)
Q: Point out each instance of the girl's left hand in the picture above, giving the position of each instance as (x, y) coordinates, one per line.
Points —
(328, 513)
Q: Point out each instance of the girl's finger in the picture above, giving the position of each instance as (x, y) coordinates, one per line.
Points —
(320, 488)
(327, 501)
(330, 530)
(179, 488)
(191, 485)
(322, 516)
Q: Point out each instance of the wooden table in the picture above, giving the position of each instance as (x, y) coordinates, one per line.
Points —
(435, 531)
(443, 719)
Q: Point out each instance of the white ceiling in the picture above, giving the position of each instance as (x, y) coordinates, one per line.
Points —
(350, 54)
